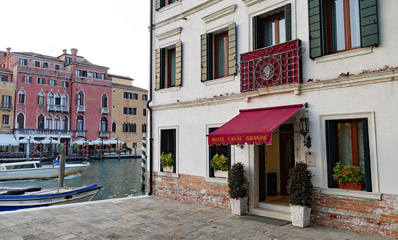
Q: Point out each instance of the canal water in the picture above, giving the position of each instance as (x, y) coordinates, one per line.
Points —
(120, 178)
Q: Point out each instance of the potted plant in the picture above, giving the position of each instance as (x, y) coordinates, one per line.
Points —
(167, 161)
(219, 163)
(348, 176)
(238, 186)
(300, 190)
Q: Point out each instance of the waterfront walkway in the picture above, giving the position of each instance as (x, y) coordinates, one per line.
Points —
(149, 218)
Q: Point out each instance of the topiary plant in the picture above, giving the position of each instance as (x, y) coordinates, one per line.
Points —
(299, 186)
(237, 181)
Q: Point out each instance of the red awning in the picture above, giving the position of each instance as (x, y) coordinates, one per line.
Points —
(253, 125)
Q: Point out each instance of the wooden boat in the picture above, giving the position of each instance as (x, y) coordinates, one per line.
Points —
(34, 170)
(31, 197)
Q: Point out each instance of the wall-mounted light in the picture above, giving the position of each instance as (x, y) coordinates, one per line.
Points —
(304, 130)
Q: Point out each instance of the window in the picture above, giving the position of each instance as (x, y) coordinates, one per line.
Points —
(20, 121)
(64, 123)
(57, 67)
(50, 99)
(6, 102)
(3, 78)
(49, 122)
(347, 141)
(129, 111)
(104, 101)
(104, 124)
(125, 129)
(102, 76)
(127, 95)
(169, 70)
(213, 150)
(144, 112)
(80, 123)
(113, 127)
(21, 97)
(64, 100)
(80, 99)
(144, 127)
(40, 80)
(57, 123)
(135, 96)
(144, 97)
(37, 64)
(344, 24)
(52, 82)
(6, 120)
(45, 65)
(40, 122)
(81, 73)
(133, 128)
(23, 62)
(272, 28)
(68, 60)
(65, 84)
(162, 3)
(27, 79)
(218, 52)
(57, 99)
(40, 99)
(168, 144)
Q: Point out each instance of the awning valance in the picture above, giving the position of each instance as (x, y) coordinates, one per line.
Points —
(253, 125)
(7, 140)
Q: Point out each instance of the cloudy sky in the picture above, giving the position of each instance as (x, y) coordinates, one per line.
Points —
(112, 33)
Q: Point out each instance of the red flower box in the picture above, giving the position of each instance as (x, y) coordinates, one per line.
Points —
(350, 186)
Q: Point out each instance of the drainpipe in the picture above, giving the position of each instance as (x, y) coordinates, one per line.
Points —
(150, 99)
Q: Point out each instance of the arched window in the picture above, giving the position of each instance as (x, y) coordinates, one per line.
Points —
(80, 99)
(64, 100)
(40, 100)
(124, 127)
(57, 99)
(20, 121)
(113, 127)
(40, 122)
(57, 123)
(104, 101)
(21, 97)
(144, 128)
(49, 122)
(50, 98)
(133, 128)
(80, 123)
(64, 123)
(104, 124)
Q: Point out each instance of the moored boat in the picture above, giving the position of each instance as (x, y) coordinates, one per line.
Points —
(31, 197)
(34, 170)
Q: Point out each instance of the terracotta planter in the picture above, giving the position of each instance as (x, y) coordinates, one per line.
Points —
(350, 186)
(168, 169)
(221, 174)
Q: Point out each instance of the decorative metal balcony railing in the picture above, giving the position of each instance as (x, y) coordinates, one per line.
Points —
(6, 106)
(53, 132)
(57, 108)
(104, 110)
(80, 133)
(271, 66)
(104, 133)
(81, 108)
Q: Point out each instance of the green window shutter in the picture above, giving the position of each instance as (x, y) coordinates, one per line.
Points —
(209, 55)
(369, 23)
(232, 49)
(203, 55)
(160, 4)
(288, 21)
(315, 28)
(331, 150)
(368, 176)
(179, 64)
(157, 4)
(162, 68)
(256, 35)
(157, 75)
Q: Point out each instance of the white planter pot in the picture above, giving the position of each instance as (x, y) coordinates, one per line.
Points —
(238, 206)
(300, 215)
(221, 174)
(168, 169)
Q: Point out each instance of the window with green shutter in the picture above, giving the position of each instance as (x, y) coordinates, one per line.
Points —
(169, 66)
(162, 3)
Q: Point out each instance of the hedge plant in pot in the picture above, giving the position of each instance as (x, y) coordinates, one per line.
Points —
(238, 187)
(348, 176)
(167, 161)
(300, 190)
(219, 163)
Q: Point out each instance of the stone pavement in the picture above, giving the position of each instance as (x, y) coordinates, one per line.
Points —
(149, 218)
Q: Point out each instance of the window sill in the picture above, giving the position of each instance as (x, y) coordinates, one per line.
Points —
(169, 6)
(343, 55)
(352, 193)
(170, 89)
(219, 80)
(166, 174)
(217, 180)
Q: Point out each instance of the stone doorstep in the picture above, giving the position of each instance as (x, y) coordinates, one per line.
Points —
(273, 211)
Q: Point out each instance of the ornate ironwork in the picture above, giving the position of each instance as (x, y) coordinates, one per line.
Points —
(272, 66)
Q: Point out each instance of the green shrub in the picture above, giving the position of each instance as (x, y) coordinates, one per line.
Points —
(237, 181)
(299, 186)
(166, 159)
(219, 162)
(347, 174)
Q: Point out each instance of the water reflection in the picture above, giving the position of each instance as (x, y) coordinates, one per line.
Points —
(120, 178)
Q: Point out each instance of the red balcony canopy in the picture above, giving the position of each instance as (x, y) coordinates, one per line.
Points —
(253, 125)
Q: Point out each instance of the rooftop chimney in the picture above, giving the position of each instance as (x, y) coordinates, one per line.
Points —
(64, 51)
(8, 51)
(74, 53)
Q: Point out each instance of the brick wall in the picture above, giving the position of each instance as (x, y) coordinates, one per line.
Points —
(193, 189)
(357, 214)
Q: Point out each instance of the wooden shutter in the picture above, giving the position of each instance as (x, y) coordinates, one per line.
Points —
(157, 75)
(368, 175)
(232, 49)
(160, 4)
(315, 28)
(288, 22)
(331, 150)
(369, 23)
(209, 55)
(162, 68)
(203, 55)
(178, 64)
(173, 132)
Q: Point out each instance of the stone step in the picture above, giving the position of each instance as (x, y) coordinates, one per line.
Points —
(272, 213)
(273, 206)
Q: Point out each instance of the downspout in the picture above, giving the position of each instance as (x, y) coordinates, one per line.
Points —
(150, 99)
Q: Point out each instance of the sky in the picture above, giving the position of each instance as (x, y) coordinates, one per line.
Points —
(111, 33)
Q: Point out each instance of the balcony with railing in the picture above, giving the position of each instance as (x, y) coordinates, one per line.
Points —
(104, 133)
(44, 132)
(104, 110)
(81, 108)
(80, 133)
(271, 66)
(6, 106)
(57, 108)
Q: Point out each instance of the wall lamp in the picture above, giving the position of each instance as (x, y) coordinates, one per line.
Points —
(304, 130)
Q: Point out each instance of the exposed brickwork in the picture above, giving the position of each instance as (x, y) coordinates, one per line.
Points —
(193, 189)
(357, 214)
